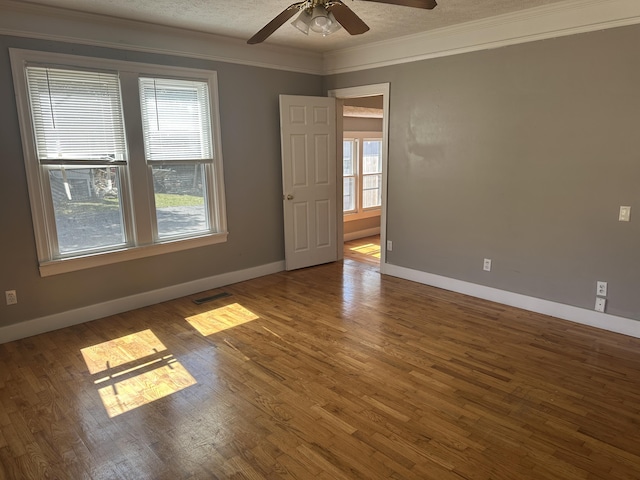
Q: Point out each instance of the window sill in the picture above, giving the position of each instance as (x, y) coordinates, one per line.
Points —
(56, 267)
(349, 217)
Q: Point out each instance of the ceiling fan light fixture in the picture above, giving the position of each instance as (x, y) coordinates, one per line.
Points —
(323, 22)
(302, 22)
(320, 17)
(333, 26)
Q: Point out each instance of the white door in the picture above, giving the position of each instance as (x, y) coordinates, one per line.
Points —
(308, 136)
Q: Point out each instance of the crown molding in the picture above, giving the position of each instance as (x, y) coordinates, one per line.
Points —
(54, 24)
(559, 19)
(550, 21)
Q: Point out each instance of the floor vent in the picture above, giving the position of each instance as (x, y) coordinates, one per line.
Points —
(200, 301)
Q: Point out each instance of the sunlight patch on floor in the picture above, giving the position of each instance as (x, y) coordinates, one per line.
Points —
(369, 249)
(146, 387)
(133, 371)
(120, 351)
(222, 318)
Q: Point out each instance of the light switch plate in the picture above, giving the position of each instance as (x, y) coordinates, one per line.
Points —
(625, 214)
(486, 266)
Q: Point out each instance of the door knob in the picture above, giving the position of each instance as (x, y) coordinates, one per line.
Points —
(289, 197)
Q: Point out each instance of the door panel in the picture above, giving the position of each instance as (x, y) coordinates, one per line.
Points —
(308, 141)
(299, 160)
(322, 159)
(323, 219)
(301, 227)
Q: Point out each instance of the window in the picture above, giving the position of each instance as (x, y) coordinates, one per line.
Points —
(371, 174)
(349, 172)
(362, 174)
(123, 160)
(81, 150)
(177, 143)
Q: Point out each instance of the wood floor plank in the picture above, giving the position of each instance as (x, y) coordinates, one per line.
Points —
(330, 372)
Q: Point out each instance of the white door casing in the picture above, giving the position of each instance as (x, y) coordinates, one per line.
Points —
(308, 139)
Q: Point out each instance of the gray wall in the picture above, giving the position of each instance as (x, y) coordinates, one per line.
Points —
(524, 155)
(251, 151)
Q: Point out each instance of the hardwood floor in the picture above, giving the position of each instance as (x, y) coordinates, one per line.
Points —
(364, 250)
(331, 372)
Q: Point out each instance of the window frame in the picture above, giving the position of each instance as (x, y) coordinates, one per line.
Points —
(138, 201)
(359, 138)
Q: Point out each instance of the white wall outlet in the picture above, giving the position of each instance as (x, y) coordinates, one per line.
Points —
(600, 304)
(389, 245)
(625, 214)
(601, 289)
(11, 296)
(487, 265)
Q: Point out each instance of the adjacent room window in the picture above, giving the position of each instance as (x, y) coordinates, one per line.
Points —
(371, 174)
(362, 174)
(119, 156)
(349, 172)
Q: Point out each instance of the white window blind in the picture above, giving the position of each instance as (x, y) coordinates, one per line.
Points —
(77, 116)
(176, 120)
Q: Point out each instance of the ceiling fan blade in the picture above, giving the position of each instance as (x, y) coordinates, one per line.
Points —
(347, 18)
(427, 4)
(276, 23)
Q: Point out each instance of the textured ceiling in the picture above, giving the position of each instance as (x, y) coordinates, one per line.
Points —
(243, 18)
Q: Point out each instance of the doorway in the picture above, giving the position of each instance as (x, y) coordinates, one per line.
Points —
(362, 135)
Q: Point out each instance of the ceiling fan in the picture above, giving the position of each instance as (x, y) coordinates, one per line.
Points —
(326, 16)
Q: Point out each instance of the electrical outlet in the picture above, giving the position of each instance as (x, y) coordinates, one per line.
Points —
(389, 245)
(487, 265)
(600, 304)
(601, 289)
(11, 296)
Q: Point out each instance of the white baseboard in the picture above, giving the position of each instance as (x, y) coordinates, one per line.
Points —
(112, 307)
(369, 232)
(583, 316)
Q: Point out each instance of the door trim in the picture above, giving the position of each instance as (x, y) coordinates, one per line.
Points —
(364, 91)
